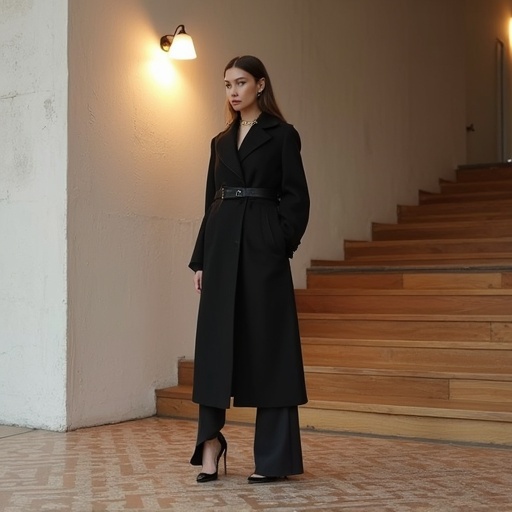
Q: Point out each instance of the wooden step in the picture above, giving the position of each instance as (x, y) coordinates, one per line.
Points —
(365, 385)
(420, 344)
(475, 423)
(318, 277)
(442, 230)
(426, 197)
(413, 358)
(443, 302)
(475, 186)
(498, 172)
(176, 402)
(460, 421)
(404, 327)
(345, 385)
(456, 217)
(431, 250)
(393, 263)
(459, 208)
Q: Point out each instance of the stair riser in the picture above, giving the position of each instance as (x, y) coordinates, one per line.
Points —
(446, 429)
(420, 359)
(449, 231)
(484, 174)
(428, 198)
(425, 249)
(368, 329)
(359, 281)
(455, 217)
(483, 391)
(412, 304)
(410, 281)
(483, 207)
(399, 261)
(346, 387)
(476, 187)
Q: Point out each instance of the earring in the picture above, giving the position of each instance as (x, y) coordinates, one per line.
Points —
(259, 94)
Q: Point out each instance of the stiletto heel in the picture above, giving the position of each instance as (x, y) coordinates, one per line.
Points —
(210, 477)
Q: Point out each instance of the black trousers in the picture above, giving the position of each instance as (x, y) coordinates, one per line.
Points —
(277, 446)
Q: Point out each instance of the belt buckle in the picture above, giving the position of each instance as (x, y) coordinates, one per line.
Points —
(239, 193)
(222, 193)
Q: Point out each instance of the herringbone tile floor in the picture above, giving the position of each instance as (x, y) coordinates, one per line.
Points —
(143, 466)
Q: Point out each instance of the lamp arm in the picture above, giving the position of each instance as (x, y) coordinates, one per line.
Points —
(166, 41)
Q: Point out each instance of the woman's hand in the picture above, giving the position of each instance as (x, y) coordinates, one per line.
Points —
(198, 281)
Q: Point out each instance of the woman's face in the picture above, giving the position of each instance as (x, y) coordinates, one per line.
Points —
(242, 89)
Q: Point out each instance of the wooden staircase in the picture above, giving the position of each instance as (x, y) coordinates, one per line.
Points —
(411, 334)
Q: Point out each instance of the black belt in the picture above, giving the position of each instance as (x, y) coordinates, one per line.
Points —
(240, 192)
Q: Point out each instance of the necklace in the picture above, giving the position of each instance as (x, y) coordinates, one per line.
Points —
(248, 123)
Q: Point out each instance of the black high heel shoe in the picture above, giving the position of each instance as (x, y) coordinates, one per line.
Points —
(210, 477)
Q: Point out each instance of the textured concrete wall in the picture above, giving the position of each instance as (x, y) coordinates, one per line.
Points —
(33, 153)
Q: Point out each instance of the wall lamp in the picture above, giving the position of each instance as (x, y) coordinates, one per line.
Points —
(179, 45)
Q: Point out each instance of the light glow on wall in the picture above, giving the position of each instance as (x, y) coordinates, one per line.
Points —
(161, 68)
(510, 33)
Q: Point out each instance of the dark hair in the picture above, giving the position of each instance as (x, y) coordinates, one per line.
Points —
(266, 101)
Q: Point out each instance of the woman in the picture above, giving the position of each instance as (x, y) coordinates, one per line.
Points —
(247, 342)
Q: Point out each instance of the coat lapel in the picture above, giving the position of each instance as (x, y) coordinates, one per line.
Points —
(228, 152)
(227, 143)
(257, 135)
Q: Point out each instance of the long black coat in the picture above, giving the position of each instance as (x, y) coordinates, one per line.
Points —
(247, 341)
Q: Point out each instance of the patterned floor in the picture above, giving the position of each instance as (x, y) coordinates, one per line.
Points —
(143, 466)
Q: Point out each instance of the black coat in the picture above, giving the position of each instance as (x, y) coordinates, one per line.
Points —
(247, 341)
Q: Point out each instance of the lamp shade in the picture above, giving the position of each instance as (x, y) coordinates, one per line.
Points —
(182, 47)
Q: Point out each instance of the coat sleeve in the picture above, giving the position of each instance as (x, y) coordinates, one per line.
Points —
(294, 204)
(196, 262)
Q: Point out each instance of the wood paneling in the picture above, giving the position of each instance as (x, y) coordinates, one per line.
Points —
(382, 328)
(483, 391)
(438, 302)
(342, 387)
(359, 281)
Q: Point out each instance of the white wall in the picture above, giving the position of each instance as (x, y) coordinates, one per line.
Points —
(374, 88)
(33, 149)
(485, 23)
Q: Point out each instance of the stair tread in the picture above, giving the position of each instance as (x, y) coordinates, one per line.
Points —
(320, 268)
(436, 241)
(494, 204)
(489, 292)
(179, 391)
(427, 195)
(409, 370)
(488, 411)
(421, 218)
(418, 262)
(407, 317)
(433, 344)
(440, 224)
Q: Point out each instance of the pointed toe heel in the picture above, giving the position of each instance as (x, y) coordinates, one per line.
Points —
(202, 478)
